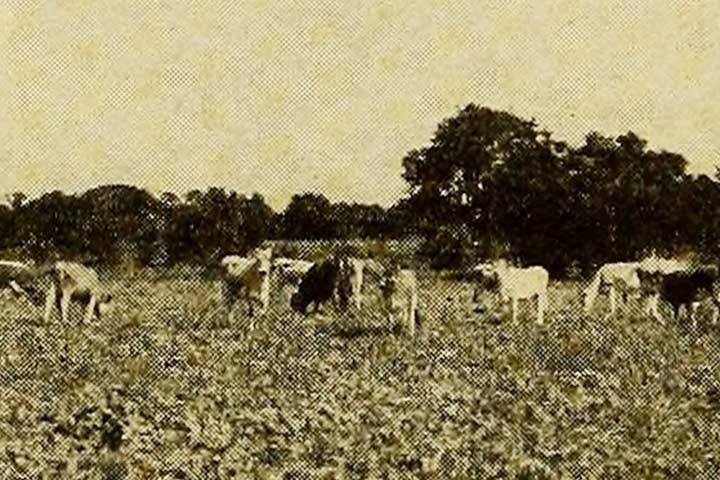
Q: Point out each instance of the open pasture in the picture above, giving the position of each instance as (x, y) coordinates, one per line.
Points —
(163, 388)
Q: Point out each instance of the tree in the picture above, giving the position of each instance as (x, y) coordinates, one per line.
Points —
(477, 175)
(122, 223)
(214, 223)
(51, 226)
(307, 216)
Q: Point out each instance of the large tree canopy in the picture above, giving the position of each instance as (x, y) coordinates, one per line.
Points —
(517, 191)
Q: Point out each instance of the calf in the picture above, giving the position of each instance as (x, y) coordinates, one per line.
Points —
(72, 281)
(326, 280)
(619, 277)
(400, 295)
(249, 278)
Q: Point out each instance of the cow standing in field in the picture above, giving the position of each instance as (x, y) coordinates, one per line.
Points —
(399, 290)
(617, 277)
(328, 280)
(520, 284)
(249, 278)
(70, 281)
(683, 289)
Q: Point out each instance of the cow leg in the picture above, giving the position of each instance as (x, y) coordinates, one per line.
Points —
(655, 306)
(542, 304)
(612, 301)
(693, 310)
(49, 302)
(228, 301)
(412, 306)
(265, 295)
(251, 310)
(89, 312)
(65, 305)
(624, 299)
(514, 309)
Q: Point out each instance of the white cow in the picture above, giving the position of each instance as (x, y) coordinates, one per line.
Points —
(520, 284)
(247, 277)
(74, 281)
(400, 295)
(619, 276)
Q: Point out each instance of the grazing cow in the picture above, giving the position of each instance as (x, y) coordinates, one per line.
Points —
(247, 277)
(682, 288)
(620, 276)
(22, 280)
(325, 281)
(289, 273)
(72, 281)
(400, 295)
(520, 284)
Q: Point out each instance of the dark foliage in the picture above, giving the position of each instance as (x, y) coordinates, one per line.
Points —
(489, 183)
(512, 185)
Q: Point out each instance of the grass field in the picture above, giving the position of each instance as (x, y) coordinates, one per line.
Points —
(161, 388)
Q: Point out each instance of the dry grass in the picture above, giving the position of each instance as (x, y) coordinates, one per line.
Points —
(163, 389)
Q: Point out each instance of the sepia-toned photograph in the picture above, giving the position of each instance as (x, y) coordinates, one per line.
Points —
(295, 240)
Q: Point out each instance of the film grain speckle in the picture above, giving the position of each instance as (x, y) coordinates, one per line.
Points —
(359, 240)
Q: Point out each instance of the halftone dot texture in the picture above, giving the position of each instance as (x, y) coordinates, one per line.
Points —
(282, 97)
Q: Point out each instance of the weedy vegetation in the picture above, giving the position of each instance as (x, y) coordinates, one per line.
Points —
(164, 388)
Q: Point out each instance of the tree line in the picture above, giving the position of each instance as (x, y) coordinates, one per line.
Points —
(119, 223)
(488, 183)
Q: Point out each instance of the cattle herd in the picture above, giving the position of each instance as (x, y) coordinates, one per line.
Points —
(339, 279)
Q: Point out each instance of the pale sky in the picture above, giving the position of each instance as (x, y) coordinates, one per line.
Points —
(286, 96)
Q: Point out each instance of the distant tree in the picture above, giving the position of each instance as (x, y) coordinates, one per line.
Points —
(356, 220)
(480, 174)
(7, 227)
(508, 183)
(17, 200)
(307, 216)
(121, 223)
(213, 223)
(51, 226)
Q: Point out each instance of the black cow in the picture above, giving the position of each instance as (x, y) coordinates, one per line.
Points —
(684, 288)
(326, 280)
